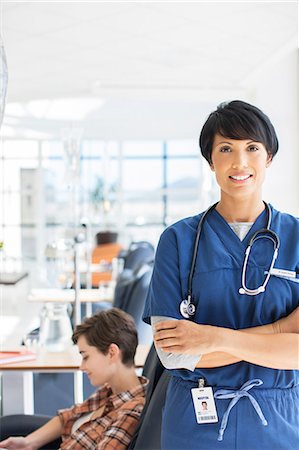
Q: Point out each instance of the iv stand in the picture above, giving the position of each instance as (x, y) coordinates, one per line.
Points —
(77, 241)
(78, 375)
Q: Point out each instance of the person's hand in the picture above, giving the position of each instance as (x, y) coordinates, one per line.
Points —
(288, 324)
(184, 336)
(14, 443)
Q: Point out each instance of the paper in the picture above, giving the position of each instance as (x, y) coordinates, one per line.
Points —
(7, 357)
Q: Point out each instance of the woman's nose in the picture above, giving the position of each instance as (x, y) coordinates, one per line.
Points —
(240, 160)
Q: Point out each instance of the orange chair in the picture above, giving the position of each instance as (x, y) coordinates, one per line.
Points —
(104, 254)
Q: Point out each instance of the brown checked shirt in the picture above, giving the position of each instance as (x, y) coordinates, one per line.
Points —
(114, 429)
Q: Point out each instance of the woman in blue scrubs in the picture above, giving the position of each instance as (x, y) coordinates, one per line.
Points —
(240, 348)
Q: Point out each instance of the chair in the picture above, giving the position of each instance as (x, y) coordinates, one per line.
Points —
(22, 424)
(153, 367)
(130, 296)
(138, 253)
(148, 434)
(134, 303)
(153, 370)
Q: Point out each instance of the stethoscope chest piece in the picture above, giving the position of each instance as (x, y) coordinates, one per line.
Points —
(187, 309)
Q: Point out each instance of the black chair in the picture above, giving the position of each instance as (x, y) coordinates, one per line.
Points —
(22, 424)
(135, 257)
(134, 303)
(123, 287)
(153, 370)
(137, 254)
(149, 430)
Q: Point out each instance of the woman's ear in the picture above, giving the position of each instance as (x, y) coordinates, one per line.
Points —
(269, 160)
(212, 166)
(114, 352)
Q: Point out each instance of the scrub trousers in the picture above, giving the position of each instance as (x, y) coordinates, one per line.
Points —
(244, 431)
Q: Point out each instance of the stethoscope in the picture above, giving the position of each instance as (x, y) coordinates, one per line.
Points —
(187, 308)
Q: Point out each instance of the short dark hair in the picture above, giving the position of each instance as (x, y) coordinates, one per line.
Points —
(112, 326)
(238, 120)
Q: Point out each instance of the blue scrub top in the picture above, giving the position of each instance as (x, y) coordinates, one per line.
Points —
(216, 284)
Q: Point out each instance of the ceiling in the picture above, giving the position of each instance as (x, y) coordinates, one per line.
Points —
(136, 61)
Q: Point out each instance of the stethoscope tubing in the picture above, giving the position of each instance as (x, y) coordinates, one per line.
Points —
(260, 234)
(195, 251)
(187, 308)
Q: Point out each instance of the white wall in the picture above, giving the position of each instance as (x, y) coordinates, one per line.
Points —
(276, 92)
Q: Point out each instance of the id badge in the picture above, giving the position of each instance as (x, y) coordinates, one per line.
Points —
(204, 405)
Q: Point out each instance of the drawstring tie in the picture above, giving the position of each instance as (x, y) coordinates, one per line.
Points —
(235, 396)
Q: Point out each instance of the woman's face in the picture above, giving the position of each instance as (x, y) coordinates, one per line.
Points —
(94, 363)
(239, 165)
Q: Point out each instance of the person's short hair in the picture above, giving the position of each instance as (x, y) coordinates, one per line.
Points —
(112, 326)
(238, 120)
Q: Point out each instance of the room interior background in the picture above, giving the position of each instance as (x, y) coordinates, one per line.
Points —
(104, 106)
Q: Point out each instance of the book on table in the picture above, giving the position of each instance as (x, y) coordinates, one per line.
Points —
(10, 356)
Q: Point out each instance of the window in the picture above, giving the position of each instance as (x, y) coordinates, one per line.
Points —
(133, 187)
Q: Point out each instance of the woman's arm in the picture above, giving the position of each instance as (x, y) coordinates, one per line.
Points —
(275, 345)
(277, 351)
(288, 324)
(49, 432)
(209, 360)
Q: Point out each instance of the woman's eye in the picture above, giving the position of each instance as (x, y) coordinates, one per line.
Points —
(225, 149)
(253, 148)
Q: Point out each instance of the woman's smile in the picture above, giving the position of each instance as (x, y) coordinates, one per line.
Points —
(239, 179)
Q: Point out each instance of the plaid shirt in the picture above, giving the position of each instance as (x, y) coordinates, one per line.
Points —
(114, 429)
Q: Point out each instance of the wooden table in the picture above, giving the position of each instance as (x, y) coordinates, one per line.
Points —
(67, 361)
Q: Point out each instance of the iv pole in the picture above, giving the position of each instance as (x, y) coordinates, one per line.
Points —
(72, 158)
(77, 243)
(78, 375)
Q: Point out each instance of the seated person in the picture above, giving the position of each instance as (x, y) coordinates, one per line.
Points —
(107, 342)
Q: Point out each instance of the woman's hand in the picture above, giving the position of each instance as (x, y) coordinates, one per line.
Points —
(15, 443)
(276, 351)
(288, 324)
(183, 336)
